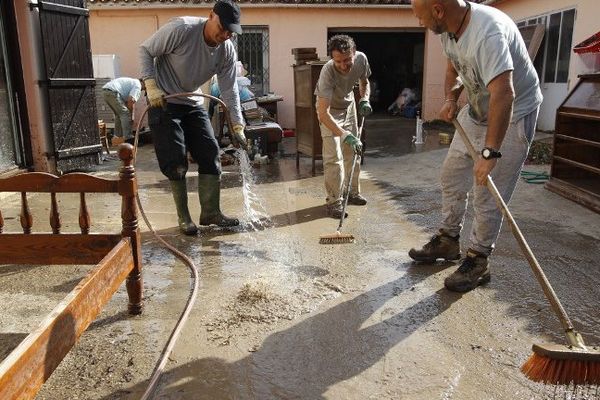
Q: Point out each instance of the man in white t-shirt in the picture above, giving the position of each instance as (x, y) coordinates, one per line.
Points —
(336, 110)
(121, 94)
(488, 57)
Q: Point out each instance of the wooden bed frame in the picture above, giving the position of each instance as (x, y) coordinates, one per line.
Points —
(117, 257)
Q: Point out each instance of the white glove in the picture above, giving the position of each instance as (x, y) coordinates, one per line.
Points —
(156, 96)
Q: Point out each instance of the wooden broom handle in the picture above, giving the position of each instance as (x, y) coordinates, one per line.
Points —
(535, 266)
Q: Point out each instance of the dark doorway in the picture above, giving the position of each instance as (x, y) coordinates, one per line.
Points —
(396, 59)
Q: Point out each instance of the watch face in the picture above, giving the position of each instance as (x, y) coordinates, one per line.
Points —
(486, 153)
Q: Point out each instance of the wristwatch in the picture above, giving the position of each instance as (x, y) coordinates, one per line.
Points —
(488, 153)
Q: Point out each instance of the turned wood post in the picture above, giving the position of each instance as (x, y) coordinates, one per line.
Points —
(128, 192)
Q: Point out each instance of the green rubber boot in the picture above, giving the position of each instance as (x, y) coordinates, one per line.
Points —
(186, 225)
(209, 192)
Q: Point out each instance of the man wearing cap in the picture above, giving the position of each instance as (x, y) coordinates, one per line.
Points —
(180, 57)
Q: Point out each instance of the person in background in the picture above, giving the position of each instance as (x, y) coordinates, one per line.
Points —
(406, 97)
(336, 111)
(243, 87)
(487, 56)
(180, 57)
(121, 94)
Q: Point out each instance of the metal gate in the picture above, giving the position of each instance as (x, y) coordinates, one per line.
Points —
(253, 51)
(70, 84)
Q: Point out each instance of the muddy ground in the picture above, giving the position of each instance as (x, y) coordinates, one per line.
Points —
(279, 316)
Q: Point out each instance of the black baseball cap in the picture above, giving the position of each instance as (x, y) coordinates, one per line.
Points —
(229, 14)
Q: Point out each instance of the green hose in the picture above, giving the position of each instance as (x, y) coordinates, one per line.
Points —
(534, 177)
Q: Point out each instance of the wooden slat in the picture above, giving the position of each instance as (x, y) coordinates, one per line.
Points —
(46, 248)
(25, 217)
(63, 9)
(70, 183)
(54, 214)
(31, 363)
(578, 140)
(577, 164)
(578, 113)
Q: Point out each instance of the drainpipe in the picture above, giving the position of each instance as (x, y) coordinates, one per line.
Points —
(30, 47)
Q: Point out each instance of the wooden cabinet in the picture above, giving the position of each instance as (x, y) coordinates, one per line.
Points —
(308, 133)
(575, 170)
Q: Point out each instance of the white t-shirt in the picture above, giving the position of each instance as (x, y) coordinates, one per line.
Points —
(337, 87)
(490, 45)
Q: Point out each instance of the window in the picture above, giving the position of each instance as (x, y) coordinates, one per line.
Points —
(552, 61)
(253, 51)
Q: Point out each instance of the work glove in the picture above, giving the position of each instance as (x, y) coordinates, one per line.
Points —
(364, 108)
(353, 142)
(239, 136)
(156, 96)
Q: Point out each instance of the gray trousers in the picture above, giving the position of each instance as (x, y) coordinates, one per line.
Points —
(122, 114)
(457, 179)
(337, 156)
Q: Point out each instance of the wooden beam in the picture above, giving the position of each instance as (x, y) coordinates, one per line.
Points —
(43, 182)
(47, 248)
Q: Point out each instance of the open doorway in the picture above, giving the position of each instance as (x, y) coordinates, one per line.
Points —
(396, 60)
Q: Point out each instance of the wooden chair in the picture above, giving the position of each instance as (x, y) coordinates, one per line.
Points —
(117, 257)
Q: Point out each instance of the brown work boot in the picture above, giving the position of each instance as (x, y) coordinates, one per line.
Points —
(357, 199)
(472, 272)
(441, 245)
(335, 210)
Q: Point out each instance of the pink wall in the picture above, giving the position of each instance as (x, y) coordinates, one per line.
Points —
(119, 30)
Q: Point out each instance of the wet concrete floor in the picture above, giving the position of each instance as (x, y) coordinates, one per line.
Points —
(280, 316)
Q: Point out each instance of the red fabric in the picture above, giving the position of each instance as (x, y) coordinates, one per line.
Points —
(590, 45)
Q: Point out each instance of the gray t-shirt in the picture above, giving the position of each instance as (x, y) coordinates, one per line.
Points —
(181, 61)
(490, 45)
(336, 87)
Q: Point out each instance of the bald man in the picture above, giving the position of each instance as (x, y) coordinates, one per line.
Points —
(487, 57)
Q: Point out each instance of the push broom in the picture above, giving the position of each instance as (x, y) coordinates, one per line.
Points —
(338, 237)
(550, 363)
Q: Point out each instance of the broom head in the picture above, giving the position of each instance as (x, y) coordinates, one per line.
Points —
(558, 364)
(336, 238)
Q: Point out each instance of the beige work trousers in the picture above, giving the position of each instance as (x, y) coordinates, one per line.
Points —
(338, 156)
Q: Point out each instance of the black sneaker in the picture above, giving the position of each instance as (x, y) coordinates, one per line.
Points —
(472, 272)
(335, 211)
(357, 199)
(441, 245)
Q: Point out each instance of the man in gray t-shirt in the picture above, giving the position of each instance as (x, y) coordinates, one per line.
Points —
(336, 110)
(487, 57)
(181, 56)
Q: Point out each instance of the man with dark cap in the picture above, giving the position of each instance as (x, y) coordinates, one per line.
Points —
(180, 57)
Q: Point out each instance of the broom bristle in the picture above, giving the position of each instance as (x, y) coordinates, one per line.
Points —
(541, 368)
(336, 238)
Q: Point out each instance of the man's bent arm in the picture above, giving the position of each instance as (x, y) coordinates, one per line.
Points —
(502, 96)
(364, 89)
(325, 116)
